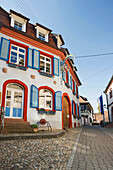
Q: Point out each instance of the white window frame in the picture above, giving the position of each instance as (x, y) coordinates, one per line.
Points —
(45, 96)
(20, 20)
(18, 52)
(45, 62)
(43, 31)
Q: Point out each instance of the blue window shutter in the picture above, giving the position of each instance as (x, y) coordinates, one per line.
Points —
(72, 107)
(4, 49)
(36, 59)
(56, 66)
(75, 86)
(79, 111)
(30, 58)
(58, 100)
(64, 75)
(34, 97)
(78, 93)
(76, 108)
(68, 77)
(71, 82)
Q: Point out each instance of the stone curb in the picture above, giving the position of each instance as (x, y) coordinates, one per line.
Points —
(71, 159)
(41, 136)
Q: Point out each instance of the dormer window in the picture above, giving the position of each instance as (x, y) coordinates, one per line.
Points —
(41, 36)
(59, 40)
(42, 32)
(18, 21)
(18, 25)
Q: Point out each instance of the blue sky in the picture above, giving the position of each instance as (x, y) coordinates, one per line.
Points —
(86, 27)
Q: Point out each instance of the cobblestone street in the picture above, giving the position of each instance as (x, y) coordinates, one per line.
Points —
(94, 150)
(37, 153)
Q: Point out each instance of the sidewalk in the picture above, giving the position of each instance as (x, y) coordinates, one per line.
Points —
(94, 150)
(40, 135)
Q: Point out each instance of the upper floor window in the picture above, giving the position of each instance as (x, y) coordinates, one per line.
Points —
(17, 55)
(18, 25)
(42, 32)
(45, 64)
(18, 21)
(110, 93)
(41, 36)
(45, 99)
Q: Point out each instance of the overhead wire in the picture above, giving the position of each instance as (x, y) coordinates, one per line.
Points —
(24, 7)
(98, 73)
(31, 12)
(94, 55)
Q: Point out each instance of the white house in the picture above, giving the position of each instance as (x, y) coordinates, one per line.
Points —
(109, 97)
(33, 82)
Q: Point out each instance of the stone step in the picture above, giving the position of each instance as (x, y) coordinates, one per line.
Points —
(17, 131)
(16, 126)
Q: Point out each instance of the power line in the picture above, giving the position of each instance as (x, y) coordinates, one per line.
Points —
(93, 55)
(98, 73)
(31, 12)
(24, 7)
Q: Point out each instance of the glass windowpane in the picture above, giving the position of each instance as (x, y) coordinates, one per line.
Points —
(14, 48)
(21, 50)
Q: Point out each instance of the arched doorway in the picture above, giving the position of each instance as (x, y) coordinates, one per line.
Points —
(15, 93)
(14, 101)
(66, 112)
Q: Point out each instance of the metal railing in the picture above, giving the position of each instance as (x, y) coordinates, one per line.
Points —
(2, 113)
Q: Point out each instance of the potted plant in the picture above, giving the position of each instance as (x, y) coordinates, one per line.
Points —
(34, 127)
(41, 110)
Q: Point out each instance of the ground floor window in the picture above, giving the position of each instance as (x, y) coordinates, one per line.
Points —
(45, 99)
(14, 101)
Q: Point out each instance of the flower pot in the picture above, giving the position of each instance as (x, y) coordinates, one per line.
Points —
(35, 130)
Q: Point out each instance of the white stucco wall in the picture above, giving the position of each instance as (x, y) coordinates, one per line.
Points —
(25, 76)
(110, 101)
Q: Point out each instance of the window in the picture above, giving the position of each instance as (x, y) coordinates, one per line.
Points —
(45, 99)
(41, 36)
(17, 55)
(18, 25)
(110, 93)
(45, 64)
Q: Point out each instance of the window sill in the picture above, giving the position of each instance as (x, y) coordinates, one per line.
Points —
(12, 65)
(22, 68)
(50, 112)
(67, 85)
(15, 66)
(45, 74)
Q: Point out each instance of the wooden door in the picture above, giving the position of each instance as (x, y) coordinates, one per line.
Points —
(65, 113)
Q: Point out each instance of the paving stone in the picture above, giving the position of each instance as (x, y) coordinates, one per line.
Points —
(96, 148)
(41, 154)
